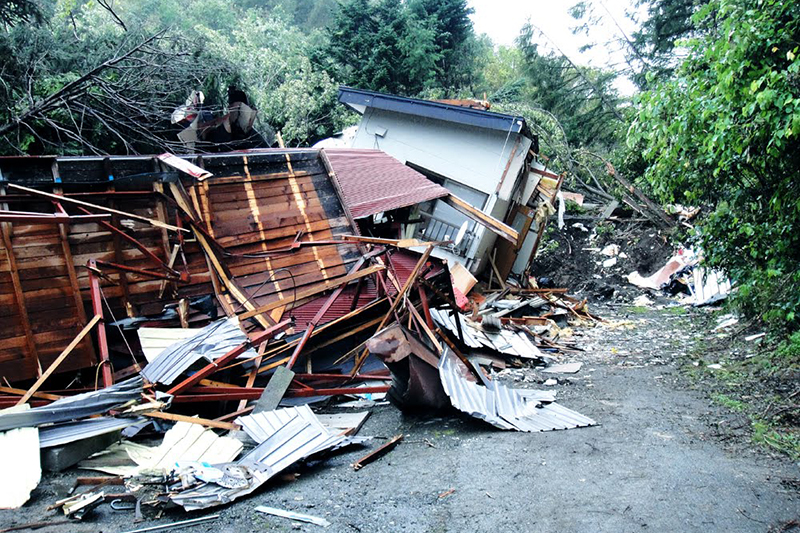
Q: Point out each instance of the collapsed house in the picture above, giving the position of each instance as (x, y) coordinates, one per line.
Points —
(489, 160)
(242, 287)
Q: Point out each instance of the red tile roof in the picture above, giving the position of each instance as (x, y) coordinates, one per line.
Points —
(373, 181)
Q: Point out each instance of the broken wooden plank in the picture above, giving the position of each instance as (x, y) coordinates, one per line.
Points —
(322, 287)
(503, 230)
(395, 304)
(67, 199)
(54, 365)
(192, 420)
(378, 452)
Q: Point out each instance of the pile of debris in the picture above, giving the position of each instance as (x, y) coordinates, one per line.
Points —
(229, 293)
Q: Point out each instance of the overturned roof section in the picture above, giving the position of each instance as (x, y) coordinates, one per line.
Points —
(359, 100)
(372, 181)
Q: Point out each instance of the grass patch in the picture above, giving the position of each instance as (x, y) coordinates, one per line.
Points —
(731, 403)
(779, 439)
(675, 310)
(755, 380)
(637, 310)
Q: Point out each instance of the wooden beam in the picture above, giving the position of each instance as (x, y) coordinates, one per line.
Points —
(67, 199)
(395, 304)
(63, 355)
(22, 392)
(508, 163)
(322, 287)
(503, 230)
(192, 420)
(211, 256)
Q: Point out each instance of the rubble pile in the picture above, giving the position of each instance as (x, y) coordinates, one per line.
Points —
(185, 327)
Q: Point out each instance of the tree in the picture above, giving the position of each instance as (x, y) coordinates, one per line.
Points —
(723, 133)
(408, 49)
(667, 22)
(583, 99)
(453, 39)
(13, 12)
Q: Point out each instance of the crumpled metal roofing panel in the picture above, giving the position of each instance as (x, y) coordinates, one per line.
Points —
(505, 341)
(286, 436)
(209, 343)
(74, 407)
(372, 181)
(502, 406)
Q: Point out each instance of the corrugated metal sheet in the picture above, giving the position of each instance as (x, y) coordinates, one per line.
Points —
(289, 435)
(505, 341)
(208, 343)
(372, 181)
(502, 406)
(83, 429)
(74, 407)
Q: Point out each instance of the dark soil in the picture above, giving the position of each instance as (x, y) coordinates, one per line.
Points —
(577, 264)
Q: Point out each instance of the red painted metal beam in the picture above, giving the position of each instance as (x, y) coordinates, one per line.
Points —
(254, 394)
(239, 350)
(321, 313)
(102, 341)
(139, 246)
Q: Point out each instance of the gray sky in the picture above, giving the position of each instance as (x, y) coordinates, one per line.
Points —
(503, 19)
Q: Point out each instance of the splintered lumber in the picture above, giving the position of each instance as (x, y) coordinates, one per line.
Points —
(192, 420)
(378, 452)
(503, 230)
(69, 200)
(395, 304)
(22, 392)
(397, 243)
(655, 209)
(324, 309)
(322, 287)
(180, 197)
(63, 355)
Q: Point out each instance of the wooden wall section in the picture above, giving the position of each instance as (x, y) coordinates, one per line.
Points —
(262, 207)
(254, 204)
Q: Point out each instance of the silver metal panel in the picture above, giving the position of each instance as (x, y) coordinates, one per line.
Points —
(209, 343)
(72, 431)
(506, 341)
(75, 407)
(285, 437)
(502, 406)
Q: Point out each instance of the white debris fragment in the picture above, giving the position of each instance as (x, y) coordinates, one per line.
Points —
(611, 250)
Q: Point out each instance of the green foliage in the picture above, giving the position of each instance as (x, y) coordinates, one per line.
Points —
(723, 133)
(571, 206)
(604, 229)
(784, 441)
(207, 45)
(401, 48)
(731, 403)
(582, 99)
(13, 12)
(654, 43)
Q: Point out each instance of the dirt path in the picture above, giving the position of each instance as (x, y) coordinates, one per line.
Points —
(654, 463)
